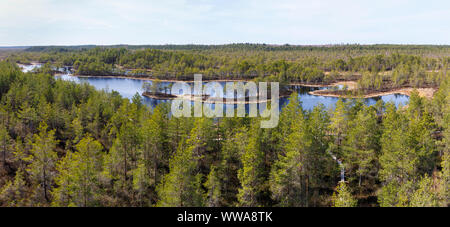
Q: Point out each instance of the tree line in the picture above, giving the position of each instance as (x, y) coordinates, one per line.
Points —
(374, 66)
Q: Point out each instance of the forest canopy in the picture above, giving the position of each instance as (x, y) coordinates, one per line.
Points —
(67, 144)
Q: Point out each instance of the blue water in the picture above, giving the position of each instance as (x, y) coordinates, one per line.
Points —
(128, 88)
(28, 68)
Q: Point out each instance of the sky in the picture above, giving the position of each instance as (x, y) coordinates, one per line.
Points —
(108, 22)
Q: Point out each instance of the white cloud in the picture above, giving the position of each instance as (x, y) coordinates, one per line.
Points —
(46, 22)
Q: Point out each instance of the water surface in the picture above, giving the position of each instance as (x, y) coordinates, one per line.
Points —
(128, 87)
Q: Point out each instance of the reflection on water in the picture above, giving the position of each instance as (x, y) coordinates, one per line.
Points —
(28, 68)
(128, 88)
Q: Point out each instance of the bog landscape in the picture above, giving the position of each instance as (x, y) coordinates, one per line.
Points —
(362, 125)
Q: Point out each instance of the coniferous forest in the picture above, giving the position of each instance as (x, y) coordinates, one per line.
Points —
(68, 144)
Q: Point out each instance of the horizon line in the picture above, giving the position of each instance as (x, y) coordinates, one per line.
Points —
(228, 44)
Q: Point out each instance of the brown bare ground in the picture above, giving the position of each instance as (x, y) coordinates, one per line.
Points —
(423, 92)
(350, 84)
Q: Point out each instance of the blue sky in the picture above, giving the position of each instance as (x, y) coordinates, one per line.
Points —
(105, 22)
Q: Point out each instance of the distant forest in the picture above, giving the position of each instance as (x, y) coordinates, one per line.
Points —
(374, 67)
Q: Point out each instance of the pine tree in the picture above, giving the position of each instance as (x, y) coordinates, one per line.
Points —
(5, 143)
(42, 159)
(153, 157)
(76, 131)
(179, 186)
(407, 153)
(425, 195)
(361, 145)
(251, 173)
(213, 186)
(338, 126)
(142, 184)
(321, 165)
(444, 91)
(79, 175)
(395, 161)
(289, 177)
(232, 149)
(62, 194)
(182, 185)
(122, 160)
(342, 196)
(444, 187)
(288, 116)
(20, 154)
(14, 193)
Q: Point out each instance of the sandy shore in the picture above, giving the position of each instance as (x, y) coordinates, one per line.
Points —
(351, 85)
(211, 100)
(423, 92)
(309, 85)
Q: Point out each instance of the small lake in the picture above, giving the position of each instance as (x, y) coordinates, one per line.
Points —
(28, 68)
(128, 87)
